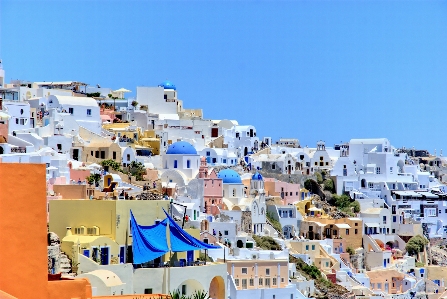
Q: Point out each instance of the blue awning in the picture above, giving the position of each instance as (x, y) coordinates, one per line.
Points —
(182, 241)
(148, 242)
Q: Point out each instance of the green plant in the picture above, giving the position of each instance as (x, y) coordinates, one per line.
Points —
(199, 294)
(416, 244)
(93, 178)
(329, 185)
(419, 264)
(94, 94)
(356, 205)
(266, 242)
(203, 257)
(350, 251)
(275, 223)
(319, 177)
(177, 295)
(137, 169)
(111, 163)
(134, 103)
(308, 184)
(341, 201)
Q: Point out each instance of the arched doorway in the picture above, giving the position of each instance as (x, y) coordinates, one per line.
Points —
(240, 244)
(188, 287)
(217, 288)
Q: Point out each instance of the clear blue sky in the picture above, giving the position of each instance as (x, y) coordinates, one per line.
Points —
(330, 70)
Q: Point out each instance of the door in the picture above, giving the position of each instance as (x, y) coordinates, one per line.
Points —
(86, 252)
(104, 255)
(122, 255)
(190, 257)
(214, 132)
(76, 154)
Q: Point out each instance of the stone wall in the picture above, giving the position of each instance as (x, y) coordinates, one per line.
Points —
(246, 222)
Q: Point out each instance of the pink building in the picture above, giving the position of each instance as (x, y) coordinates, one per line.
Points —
(212, 188)
(288, 192)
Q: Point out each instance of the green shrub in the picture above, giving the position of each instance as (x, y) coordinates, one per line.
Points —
(416, 244)
(111, 163)
(275, 223)
(266, 242)
(319, 177)
(356, 205)
(350, 251)
(329, 185)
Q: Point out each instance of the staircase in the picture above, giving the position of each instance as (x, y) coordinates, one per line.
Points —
(280, 235)
(65, 264)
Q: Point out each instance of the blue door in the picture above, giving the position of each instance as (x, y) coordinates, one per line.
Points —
(122, 255)
(190, 256)
(104, 255)
(86, 253)
(384, 263)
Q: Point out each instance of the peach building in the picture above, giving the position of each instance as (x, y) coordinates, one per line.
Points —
(258, 274)
(288, 192)
(25, 223)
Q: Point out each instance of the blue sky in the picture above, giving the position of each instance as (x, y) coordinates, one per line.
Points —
(329, 70)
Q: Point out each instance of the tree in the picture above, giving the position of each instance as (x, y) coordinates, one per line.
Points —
(137, 169)
(416, 244)
(329, 185)
(111, 163)
(356, 205)
(319, 177)
(341, 201)
(94, 178)
(308, 184)
(350, 251)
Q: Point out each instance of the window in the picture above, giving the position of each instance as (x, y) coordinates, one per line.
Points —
(282, 279)
(22, 121)
(59, 147)
(183, 289)
(97, 154)
(103, 154)
(334, 232)
(313, 247)
(347, 231)
(234, 191)
(114, 155)
(17, 121)
(175, 163)
(267, 272)
(236, 281)
(379, 286)
(148, 291)
(430, 212)
(307, 247)
(188, 163)
(267, 282)
(356, 231)
(327, 264)
(372, 286)
(225, 232)
(384, 219)
(370, 185)
(260, 281)
(394, 218)
(356, 224)
(273, 166)
(274, 281)
(244, 283)
(70, 110)
(244, 270)
(377, 170)
(89, 112)
(391, 169)
(251, 282)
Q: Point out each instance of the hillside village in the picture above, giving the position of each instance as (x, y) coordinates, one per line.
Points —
(144, 196)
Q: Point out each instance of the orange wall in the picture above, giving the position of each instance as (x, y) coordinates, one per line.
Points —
(68, 289)
(137, 296)
(71, 191)
(23, 234)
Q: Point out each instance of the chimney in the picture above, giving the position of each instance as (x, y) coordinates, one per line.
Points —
(69, 233)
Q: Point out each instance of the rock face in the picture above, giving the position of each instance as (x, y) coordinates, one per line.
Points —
(54, 253)
(246, 222)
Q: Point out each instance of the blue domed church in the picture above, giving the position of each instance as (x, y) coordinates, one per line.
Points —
(182, 156)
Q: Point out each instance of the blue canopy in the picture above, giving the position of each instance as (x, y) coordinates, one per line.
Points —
(182, 241)
(148, 242)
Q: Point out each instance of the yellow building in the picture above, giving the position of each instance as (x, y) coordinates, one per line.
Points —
(94, 222)
(307, 208)
(150, 140)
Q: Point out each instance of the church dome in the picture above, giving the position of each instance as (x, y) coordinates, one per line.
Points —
(229, 176)
(181, 148)
(167, 85)
(257, 177)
